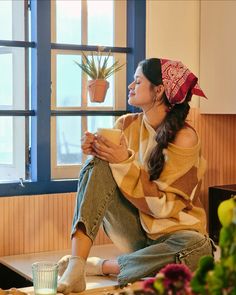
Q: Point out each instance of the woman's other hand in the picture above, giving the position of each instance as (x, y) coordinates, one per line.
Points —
(87, 142)
(108, 151)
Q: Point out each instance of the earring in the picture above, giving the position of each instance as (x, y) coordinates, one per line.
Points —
(168, 109)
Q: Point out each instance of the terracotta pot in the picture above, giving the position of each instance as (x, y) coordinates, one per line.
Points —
(97, 90)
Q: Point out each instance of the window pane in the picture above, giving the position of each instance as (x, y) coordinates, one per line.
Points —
(6, 79)
(100, 22)
(12, 20)
(68, 81)
(12, 78)
(12, 148)
(94, 123)
(68, 140)
(6, 142)
(6, 20)
(68, 21)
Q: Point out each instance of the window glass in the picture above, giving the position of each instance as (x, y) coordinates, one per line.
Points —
(95, 122)
(69, 133)
(12, 78)
(68, 140)
(100, 22)
(6, 79)
(91, 22)
(68, 21)
(6, 20)
(12, 20)
(6, 142)
(12, 148)
(68, 81)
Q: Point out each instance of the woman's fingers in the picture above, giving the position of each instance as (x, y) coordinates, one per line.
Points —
(87, 141)
(104, 141)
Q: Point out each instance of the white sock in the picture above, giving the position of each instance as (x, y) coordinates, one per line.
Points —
(62, 264)
(94, 266)
(73, 279)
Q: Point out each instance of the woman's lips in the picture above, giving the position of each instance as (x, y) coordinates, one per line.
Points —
(131, 94)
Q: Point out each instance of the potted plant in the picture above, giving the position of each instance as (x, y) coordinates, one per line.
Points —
(98, 69)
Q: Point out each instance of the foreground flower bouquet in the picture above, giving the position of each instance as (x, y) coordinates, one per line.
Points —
(213, 278)
(172, 279)
(218, 278)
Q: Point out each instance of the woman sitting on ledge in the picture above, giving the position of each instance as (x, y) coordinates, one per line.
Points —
(144, 191)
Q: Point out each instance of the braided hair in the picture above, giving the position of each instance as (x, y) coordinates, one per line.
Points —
(172, 123)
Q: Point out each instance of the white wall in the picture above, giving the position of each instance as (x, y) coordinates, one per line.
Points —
(172, 31)
(200, 33)
(218, 56)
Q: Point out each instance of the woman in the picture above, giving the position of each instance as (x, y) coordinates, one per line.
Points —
(144, 191)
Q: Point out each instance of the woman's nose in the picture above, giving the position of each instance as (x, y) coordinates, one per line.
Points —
(131, 85)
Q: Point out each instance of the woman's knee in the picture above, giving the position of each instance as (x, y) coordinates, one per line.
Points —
(192, 253)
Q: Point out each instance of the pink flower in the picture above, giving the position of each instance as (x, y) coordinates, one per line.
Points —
(148, 284)
(173, 279)
(177, 278)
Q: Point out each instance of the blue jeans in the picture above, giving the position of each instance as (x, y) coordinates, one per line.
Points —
(99, 201)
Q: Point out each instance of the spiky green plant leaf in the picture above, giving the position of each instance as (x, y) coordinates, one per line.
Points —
(97, 66)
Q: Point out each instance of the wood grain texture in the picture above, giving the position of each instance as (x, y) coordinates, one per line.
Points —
(218, 138)
(42, 223)
(39, 223)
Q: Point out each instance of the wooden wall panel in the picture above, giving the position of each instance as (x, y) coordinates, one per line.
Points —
(39, 223)
(218, 137)
(42, 223)
(11, 225)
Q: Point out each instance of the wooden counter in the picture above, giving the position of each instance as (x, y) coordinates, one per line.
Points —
(21, 264)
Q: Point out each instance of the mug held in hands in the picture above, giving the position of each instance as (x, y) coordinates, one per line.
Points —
(112, 134)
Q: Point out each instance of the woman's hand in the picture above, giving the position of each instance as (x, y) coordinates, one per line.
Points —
(108, 151)
(87, 142)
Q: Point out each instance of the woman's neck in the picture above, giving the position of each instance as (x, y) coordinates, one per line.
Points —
(155, 115)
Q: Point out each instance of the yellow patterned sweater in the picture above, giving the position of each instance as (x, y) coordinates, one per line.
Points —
(171, 202)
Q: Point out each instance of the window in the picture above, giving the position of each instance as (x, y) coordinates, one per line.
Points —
(44, 105)
(88, 23)
(12, 91)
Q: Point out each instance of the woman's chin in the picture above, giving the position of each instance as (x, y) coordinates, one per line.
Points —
(131, 101)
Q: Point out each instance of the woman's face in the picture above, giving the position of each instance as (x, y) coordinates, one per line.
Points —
(140, 92)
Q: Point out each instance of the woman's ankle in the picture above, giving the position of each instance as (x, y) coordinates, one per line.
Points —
(110, 267)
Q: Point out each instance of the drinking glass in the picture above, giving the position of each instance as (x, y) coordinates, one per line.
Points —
(45, 278)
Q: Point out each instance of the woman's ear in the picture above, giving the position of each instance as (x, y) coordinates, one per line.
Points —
(159, 90)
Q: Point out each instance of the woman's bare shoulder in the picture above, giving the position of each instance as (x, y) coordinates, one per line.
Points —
(186, 137)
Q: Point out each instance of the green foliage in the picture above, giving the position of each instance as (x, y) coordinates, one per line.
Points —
(159, 286)
(199, 281)
(219, 278)
(97, 66)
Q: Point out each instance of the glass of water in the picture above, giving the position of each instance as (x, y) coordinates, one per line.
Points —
(45, 278)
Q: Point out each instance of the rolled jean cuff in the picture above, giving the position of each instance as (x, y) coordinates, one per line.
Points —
(122, 278)
(90, 234)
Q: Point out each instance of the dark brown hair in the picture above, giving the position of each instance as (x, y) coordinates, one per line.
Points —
(172, 123)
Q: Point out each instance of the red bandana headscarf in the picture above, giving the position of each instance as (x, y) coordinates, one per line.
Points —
(178, 80)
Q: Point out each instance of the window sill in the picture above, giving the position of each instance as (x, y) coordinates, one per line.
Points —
(36, 188)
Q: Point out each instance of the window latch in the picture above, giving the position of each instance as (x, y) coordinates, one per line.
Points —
(21, 182)
(29, 4)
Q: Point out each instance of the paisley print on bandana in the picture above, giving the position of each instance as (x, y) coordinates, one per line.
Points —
(178, 80)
